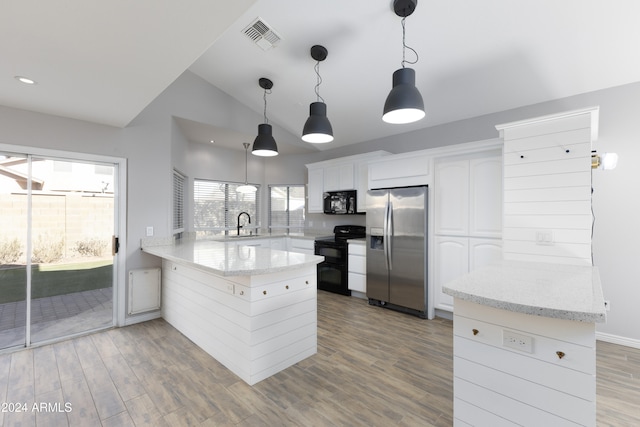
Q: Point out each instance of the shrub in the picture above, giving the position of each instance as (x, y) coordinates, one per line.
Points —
(47, 249)
(91, 247)
(10, 251)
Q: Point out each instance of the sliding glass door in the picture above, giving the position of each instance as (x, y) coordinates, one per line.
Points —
(61, 284)
(13, 248)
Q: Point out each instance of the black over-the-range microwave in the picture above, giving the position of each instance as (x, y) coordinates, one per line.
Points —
(341, 202)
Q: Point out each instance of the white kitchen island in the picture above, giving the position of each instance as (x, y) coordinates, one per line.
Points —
(524, 344)
(253, 309)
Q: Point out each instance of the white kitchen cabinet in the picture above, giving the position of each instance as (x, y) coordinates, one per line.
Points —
(344, 173)
(305, 246)
(279, 243)
(452, 198)
(468, 211)
(468, 197)
(455, 256)
(400, 170)
(314, 190)
(451, 257)
(339, 177)
(357, 268)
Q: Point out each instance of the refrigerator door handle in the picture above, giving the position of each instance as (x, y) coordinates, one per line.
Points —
(390, 236)
(385, 235)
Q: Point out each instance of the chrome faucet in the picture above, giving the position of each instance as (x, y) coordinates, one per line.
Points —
(239, 215)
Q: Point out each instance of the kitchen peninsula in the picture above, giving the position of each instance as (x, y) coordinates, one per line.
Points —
(253, 309)
(524, 344)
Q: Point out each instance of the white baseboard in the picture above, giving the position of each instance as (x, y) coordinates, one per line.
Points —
(615, 339)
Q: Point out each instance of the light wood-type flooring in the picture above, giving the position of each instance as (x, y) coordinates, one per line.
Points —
(374, 367)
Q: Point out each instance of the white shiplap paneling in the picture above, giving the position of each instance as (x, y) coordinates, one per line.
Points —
(547, 188)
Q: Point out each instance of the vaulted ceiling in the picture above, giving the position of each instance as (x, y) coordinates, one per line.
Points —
(106, 61)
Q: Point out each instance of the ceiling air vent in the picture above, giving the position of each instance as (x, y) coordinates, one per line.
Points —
(261, 34)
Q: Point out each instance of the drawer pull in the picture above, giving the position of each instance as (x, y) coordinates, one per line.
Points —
(286, 287)
(241, 292)
(475, 331)
(560, 354)
(306, 282)
(264, 292)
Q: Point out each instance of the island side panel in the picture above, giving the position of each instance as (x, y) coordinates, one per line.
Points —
(255, 326)
(531, 385)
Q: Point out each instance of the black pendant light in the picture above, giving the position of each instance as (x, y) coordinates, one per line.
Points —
(264, 144)
(317, 129)
(404, 103)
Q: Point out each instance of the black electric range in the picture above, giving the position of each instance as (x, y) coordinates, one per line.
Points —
(333, 271)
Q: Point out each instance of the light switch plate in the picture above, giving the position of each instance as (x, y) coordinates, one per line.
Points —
(149, 231)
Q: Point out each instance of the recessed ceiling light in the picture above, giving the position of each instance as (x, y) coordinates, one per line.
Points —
(25, 80)
(212, 141)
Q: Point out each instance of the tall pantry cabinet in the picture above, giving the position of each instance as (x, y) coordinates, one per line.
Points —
(468, 217)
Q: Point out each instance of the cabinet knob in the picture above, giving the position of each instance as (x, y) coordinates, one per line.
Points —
(560, 354)
(286, 287)
(241, 292)
(264, 292)
(475, 331)
(306, 282)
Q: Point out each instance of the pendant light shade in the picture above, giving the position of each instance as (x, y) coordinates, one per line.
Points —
(404, 103)
(246, 188)
(317, 129)
(264, 145)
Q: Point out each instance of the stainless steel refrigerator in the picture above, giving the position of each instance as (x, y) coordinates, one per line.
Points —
(397, 249)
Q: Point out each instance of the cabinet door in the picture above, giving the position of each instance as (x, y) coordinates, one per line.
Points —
(485, 202)
(452, 198)
(339, 177)
(484, 252)
(315, 190)
(451, 262)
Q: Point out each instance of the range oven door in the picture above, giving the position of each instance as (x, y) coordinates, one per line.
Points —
(332, 272)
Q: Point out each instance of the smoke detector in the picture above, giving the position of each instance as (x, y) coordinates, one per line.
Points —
(262, 34)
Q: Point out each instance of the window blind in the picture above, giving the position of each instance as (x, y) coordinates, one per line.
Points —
(178, 202)
(286, 207)
(217, 205)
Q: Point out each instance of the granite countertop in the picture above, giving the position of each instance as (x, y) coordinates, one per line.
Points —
(228, 259)
(541, 289)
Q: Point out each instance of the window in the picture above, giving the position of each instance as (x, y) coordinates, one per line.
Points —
(217, 206)
(178, 202)
(286, 207)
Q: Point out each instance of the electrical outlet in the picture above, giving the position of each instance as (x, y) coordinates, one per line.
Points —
(517, 341)
(607, 305)
(544, 237)
(149, 231)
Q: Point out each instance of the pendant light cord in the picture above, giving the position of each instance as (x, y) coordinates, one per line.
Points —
(319, 81)
(404, 46)
(246, 160)
(265, 105)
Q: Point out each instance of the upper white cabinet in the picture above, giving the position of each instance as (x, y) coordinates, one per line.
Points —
(468, 197)
(400, 170)
(315, 189)
(339, 177)
(344, 173)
